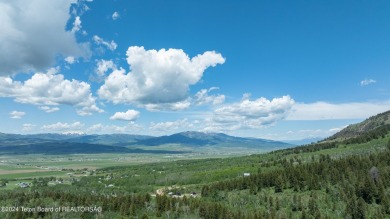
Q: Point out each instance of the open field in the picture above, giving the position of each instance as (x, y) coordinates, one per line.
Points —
(27, 166)
(27, 175)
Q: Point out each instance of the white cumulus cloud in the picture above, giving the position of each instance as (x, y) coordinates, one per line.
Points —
(170, 125)
(157, 78)
(129, 115)
(63, 127)
(50, 89)
(181, 105)
(202, 97)
(17, 114)
(76, 24)
(99, 41)
(249, 114)
(102, 66)
(28, 127)
(33, 34)
(70, 60)
(131, 127)
(49, 109)
(115, 15)
(367, 82)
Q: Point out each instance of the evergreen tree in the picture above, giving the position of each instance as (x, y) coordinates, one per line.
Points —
(205, 191)
(124, 209)
(277, 204)
(294, 203)
(304, 215)
(360, 211)
(386, 204)
(278, 184)
(313, 208)
(388, 145)
(132, 210)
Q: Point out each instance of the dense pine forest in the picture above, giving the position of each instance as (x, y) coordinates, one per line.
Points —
(344, 176)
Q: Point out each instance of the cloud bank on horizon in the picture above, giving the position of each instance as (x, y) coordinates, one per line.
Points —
(86, 76)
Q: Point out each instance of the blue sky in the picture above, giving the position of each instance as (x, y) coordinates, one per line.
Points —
(268, 69)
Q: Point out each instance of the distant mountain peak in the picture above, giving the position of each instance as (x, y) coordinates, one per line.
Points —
(197, 139)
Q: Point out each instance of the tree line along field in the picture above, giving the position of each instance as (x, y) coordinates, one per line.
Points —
(336, 178)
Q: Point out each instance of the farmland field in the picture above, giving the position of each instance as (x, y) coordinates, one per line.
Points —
(28, 166)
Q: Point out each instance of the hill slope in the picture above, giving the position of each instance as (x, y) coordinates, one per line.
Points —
(359, 129)
(112, 139)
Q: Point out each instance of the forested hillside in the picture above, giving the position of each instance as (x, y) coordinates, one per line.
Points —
(338, 178)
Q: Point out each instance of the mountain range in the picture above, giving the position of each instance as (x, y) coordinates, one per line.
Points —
(123, 143)
(51, 143)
